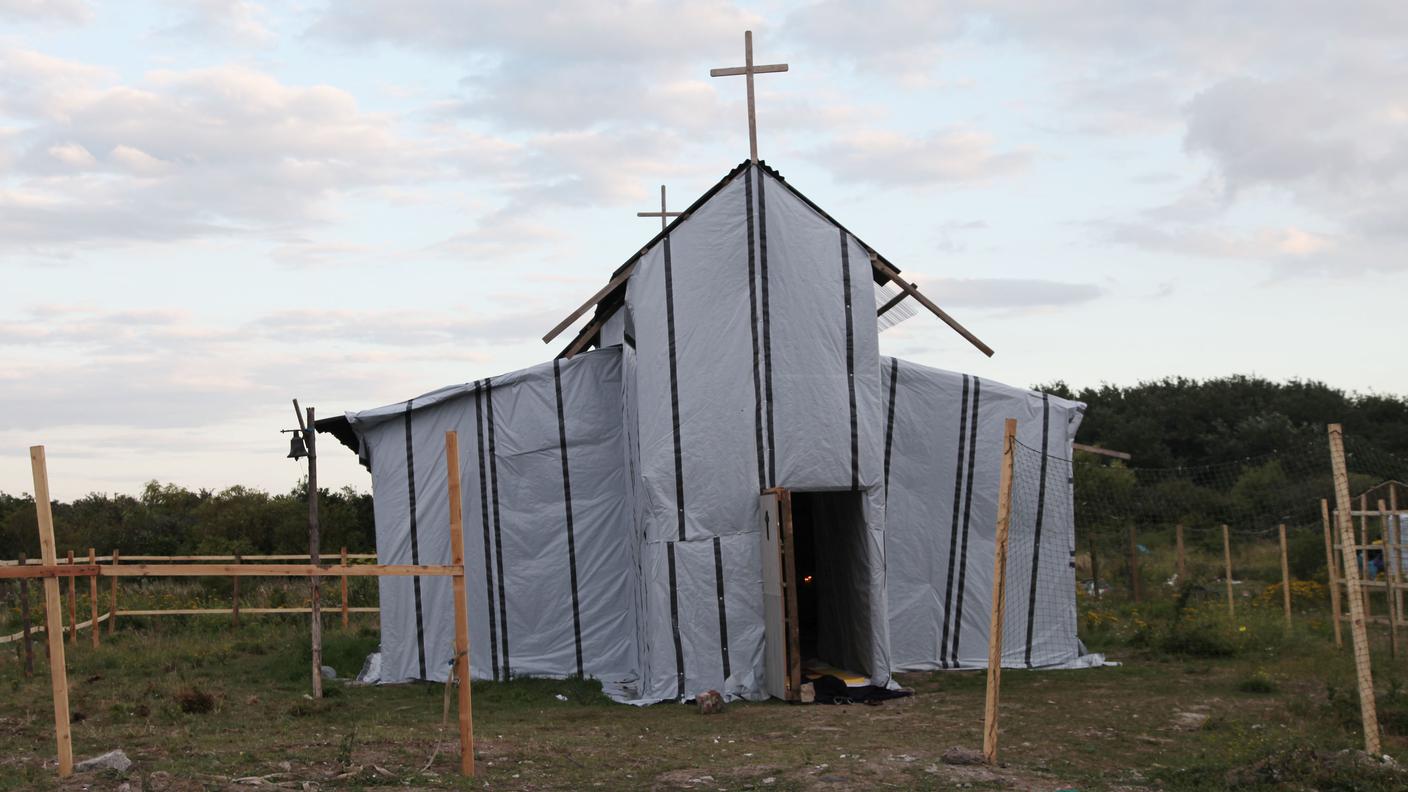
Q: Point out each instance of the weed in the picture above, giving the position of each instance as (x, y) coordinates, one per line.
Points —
(194, 701)
(1258, 682)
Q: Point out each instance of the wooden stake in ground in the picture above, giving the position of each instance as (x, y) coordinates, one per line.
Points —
(662, 214)
(1330, 573)
(1367, 710)
(72, 605)
(235, 596)
(112, 599)
(1179, 559)
(1133, 564)
(748, 70)
(344, 589)
(1389, 599)
(53, 621)
(466, 717)
(1285, 578)
(1397, 566)
(1227, 558)
(24, 619)
(999, 592)
(1094, 568)
(93, 597)
(1361, 554)
(314, 557)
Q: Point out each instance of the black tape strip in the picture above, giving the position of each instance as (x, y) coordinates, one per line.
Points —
(675, 622)
(767, 323)
(498, 529)
(753, 325)
(723, 613)
(850, 360)
(1040, 515)
(953, 523)
(484, 521)
(415, 539)
(967, 517)
(567, 505)
(890, 422)
(674, 388)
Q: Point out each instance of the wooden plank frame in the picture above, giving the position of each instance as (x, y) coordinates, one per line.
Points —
(50, 570)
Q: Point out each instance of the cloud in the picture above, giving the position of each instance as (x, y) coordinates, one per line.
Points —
(61, 11)
(76, 365)
(228, 21)
(1007, 292)
(222, 150)
(943, 157)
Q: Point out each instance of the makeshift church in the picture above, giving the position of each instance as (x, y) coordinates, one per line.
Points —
(720, 482)
(629, 524)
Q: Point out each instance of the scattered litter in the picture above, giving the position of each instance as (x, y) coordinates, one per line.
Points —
(112, 760)
(560, 697)
(709, 702)
(371, 670)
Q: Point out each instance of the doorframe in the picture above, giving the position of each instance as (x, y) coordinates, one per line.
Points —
(793, 647)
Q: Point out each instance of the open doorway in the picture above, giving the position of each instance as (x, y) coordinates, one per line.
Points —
(832, 557)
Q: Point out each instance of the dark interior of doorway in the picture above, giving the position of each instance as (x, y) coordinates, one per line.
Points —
(831, 554)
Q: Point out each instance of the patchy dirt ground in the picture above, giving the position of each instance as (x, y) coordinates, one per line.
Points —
(1155, 723)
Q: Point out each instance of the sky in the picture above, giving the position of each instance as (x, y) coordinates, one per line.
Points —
(210, 207)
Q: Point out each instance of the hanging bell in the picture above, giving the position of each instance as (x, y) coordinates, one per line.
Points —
(296, 448)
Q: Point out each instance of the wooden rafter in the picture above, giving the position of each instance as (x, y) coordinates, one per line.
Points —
(909, 288)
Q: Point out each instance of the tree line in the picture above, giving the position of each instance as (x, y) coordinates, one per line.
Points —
(166, 519)
(1240, 450)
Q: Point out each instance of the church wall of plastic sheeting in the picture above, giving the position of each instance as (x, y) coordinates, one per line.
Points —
(541, 596)
(943, 462)
(758, 366)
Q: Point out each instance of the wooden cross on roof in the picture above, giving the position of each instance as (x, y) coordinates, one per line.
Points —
(662, 214)
(748, 70)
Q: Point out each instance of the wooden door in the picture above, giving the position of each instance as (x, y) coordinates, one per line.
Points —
(782, 662)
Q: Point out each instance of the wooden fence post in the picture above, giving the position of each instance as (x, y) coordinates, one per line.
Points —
(24, 620)
(1397, 544)
(112, 598)
(1361, 554)
(344, 589)
(1389, 598)
(310, 440)
(235, 597)
(1227, 559)
(53, 618)
(1330, 574)
(1367, 710)
(1178, 554)
(72, 604)
(999, 592)
(93, 598)
(1285, 577)
(1094, 567)
(466, 717)
(1133, 563)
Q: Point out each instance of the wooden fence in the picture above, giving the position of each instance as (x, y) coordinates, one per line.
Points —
(10, 569)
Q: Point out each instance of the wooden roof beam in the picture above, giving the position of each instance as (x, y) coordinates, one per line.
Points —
(909, 288)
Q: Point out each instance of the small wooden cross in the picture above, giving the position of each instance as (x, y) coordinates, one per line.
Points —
(748, 70)
(662, 214)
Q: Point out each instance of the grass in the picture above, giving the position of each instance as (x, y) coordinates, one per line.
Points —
(1202, 701)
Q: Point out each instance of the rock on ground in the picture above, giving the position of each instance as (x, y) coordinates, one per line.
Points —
(112, 760)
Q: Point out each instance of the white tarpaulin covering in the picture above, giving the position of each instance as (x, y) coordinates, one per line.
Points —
(611, 499)
(944, 461)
